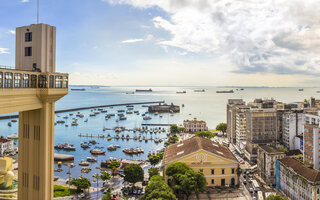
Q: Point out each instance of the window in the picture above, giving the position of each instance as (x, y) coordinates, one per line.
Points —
(28, 37)
(28, 51)
(65, 82)
(51, 81)
(33, 83)
(1, 78)
(25, 82)
(212, 181)
(222, 171)
(223, 182)
(232, 170)
(8, 80)
(17, 80)
(212, 171)
(42, 81)
(58, 82)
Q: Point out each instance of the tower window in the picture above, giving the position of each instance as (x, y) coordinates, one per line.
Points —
(28, 37)
(28, 51)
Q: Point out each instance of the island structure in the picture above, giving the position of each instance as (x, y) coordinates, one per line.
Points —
(162, 108)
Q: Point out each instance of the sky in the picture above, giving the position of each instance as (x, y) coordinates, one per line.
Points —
(176, 42)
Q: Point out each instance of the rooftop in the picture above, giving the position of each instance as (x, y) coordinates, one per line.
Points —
(299, 168)
(270, 149)
(194, 144)
(2, 140)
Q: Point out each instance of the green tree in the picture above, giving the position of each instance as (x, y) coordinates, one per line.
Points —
(154, 159)
(205, 134)
(190, 182)
(158, 189)
(113, 165)
(173, 139)
(107, 196)
(275, 197)
(153, 172)
(174, 129)
(222, 127)
(105, 176)
(184, 180)
(81, 183)
(177, 168)
(283, 149)
(133, 173)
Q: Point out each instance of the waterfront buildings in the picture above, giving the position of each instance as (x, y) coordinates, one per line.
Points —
(296, 180)
(6, 146)
(292, 129)
(231, 118)
(266, 162)
(32, 90)
(193, 126)
(261, 127)
(216, 161)
(241, 129)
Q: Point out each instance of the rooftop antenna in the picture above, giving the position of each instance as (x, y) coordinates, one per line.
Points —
(37, 11)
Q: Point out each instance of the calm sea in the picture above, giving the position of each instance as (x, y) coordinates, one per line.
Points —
(209, 106)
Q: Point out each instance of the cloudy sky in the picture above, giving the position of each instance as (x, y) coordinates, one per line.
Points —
(176, 42)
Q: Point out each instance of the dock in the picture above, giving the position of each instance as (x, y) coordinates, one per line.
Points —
(157, 124)
(112, 137)
(90, 107)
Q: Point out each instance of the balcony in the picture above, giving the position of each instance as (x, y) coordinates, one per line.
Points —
(27, 90)
(11, 78)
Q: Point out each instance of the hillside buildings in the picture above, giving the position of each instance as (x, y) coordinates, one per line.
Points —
(216, 161)
(266, 162)
(292, 129)
(296, 180)
(193, 126)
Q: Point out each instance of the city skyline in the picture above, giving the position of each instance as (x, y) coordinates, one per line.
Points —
(135, 42)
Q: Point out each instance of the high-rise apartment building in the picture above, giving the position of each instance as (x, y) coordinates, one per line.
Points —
(231, 118)
(292, 129)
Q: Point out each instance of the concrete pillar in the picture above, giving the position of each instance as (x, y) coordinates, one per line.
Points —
(36, 149)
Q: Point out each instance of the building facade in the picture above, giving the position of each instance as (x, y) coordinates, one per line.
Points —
(297, 181)
(231, 118)
(241, 130)
(215, 161)
(6, 146)
(193, 126)
(292, 127)
(261, 127)
(266, 162)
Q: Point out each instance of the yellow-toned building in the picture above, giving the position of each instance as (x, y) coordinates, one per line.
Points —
(193, 126)
(216, 161)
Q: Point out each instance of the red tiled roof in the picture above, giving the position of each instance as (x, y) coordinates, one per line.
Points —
(194, 144)
(306, 172)
(3, 140)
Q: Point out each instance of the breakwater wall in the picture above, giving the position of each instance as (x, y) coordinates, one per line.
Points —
(89, 107)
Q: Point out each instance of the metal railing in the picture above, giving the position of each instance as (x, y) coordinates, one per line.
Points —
(11, 78)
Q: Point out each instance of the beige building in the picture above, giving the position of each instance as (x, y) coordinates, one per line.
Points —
(241, 130)
(215, 161)
(261, 127)
(266, 162)
(32, 90)
(231, 118)
(193, 126)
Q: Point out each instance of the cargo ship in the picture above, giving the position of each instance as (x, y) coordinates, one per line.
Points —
(225, 91)
(183, 92)
(203, 90)
(78, 89)
(144, 90)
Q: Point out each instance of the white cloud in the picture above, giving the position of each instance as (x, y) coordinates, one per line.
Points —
(147, 38)
(4, 51)
(132, 40)
(13, 32)
(278, 37)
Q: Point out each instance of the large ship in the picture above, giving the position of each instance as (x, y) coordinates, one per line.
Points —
(144, 90)
(78, 89)
(203, 90)
(225, 91)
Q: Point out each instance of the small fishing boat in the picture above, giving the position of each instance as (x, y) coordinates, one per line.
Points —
(13, 120)
(84, 163)
(109, 138)
(85, 170)
(85, 145)
(123, 118)
(91, 159)
(13, 136)
(117, 136)
(147, 118)
(97, 152)
(74, 123)
(86, 120)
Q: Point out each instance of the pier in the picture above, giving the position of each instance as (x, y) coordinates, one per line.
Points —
(112, 137)
(89, 107)
(157, 124)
